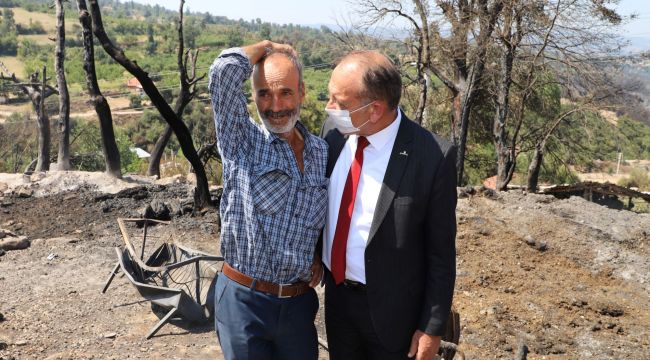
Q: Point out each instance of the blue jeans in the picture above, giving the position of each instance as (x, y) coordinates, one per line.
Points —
(257, 326)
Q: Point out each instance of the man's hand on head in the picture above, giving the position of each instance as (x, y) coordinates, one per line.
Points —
(257, 52)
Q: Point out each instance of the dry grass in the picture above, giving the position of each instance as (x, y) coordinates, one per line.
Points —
(601, 177)
(48, 20)
(14, 65)
(22, 17)
(117, 103)
(609, 116)
(7, 110)
(40, 39)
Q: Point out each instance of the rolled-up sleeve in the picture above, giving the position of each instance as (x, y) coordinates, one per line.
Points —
(232, 121)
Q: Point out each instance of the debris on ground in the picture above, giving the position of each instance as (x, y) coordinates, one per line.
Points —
(566, 279)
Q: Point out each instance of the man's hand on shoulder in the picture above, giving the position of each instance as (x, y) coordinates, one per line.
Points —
(424, 346)
(257, 52)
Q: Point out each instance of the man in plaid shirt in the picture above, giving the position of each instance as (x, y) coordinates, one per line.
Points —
(272, 209)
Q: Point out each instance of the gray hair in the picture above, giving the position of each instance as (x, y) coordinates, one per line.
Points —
(289, 55)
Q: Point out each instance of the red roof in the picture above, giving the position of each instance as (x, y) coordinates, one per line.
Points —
(491, 182)
(133, 83)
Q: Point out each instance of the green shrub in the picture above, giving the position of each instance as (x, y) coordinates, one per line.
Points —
(135, 101)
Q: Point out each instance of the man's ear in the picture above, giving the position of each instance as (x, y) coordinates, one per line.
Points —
(377, 110)
(301, 89)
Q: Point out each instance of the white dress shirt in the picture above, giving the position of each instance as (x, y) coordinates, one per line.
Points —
(375, 162)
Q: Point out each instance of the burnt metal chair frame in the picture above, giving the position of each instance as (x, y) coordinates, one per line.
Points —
(184, 302)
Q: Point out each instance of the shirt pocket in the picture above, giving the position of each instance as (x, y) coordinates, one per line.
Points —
(270, 187)
(316, 191)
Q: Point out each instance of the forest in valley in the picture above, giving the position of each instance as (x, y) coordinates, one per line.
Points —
(532, 92)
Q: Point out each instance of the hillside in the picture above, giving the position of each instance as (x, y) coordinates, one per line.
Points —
(568, 278)
(148, 35)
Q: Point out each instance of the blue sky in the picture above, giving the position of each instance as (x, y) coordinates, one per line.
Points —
(641, 26)
(309, 12)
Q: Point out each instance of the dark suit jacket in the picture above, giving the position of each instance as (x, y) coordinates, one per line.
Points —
(410, 258)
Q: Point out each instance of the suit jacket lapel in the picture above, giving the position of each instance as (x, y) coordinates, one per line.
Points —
(336, 141)
(396, 165)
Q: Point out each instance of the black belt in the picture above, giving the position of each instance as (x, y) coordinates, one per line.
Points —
(351, 284)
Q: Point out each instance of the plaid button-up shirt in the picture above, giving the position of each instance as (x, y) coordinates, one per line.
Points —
(271, 213)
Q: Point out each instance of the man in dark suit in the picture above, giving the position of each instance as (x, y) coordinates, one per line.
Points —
(389, 240)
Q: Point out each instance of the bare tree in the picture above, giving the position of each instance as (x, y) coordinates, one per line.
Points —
(519, 19)
(63, 158)
(456, 57)
(201, 193)
(186, 61)
(109, 146)
(37, 93)
(469, 47)
(540, 147)
(553, 43)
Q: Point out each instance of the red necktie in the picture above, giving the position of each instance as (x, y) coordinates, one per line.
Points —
(340, 242)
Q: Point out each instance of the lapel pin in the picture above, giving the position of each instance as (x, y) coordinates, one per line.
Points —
(404, 153)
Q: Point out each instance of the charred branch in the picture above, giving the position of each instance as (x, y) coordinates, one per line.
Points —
(186, 62)
(63, 158)
(109, 146)
(201, 194)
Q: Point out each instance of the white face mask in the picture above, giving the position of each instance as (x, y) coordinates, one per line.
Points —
(342, 120)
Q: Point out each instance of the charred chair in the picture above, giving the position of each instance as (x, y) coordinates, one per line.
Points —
(174, 278)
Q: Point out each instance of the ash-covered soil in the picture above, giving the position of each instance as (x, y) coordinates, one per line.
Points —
(568, 278)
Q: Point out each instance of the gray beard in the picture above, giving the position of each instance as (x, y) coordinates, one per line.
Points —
(280, 129)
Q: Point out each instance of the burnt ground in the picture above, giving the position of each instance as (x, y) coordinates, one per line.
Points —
(568, 278)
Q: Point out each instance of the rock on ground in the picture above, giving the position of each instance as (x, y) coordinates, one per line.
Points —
(585, 296)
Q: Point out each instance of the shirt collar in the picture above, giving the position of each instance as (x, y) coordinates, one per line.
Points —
(386, 135)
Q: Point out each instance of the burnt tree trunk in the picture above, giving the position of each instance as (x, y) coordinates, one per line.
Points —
(508, 153)
(463, 102)
(540, 147)
(109, 146)
(504, 162)
(534, 167)
(37, 93)
(43, 163)
(424, 59)
(185, 96)
(157, 153)
(510, 41)
(201, 193)
(489, 17)
(63, 158)
(468, 66)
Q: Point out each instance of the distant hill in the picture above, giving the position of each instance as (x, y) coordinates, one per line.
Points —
(638, 44)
